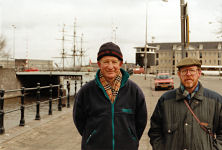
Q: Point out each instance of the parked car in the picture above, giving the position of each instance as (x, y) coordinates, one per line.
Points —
(163, 81)
(138, 70)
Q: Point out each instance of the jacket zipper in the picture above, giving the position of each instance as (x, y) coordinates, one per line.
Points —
(90, 136)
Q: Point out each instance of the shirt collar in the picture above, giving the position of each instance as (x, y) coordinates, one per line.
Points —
(186, 93)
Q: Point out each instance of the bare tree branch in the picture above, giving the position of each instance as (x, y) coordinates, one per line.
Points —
(3, 53)
(220, 28)
(2, 43)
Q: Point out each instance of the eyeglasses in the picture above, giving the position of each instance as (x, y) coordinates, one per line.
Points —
(191, 71)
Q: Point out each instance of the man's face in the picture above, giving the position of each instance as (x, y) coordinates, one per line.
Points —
(189, 77)
(110, 67)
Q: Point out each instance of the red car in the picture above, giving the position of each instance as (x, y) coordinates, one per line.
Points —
(163, 81)
(138, 70)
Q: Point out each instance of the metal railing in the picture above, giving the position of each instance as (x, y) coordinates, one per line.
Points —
(38, 89)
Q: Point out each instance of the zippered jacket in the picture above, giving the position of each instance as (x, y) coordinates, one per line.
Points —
(110, 126)
(173, 127)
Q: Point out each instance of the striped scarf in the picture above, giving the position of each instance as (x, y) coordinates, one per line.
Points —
(111, 91)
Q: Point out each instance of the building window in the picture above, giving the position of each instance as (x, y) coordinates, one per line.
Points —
(138, 50)
(219, 46)
(201, 46)
(200, 54)
(186, 54)
(219, 55)
(157, 55)
(157, 62)
(173, 62)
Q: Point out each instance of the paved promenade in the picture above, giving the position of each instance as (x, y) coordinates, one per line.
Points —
(57, 132)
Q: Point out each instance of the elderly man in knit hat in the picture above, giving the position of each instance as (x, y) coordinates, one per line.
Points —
(189, 117)
(110, 111)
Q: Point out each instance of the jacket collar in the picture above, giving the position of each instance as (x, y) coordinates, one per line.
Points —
(125, 77)
(198, 95)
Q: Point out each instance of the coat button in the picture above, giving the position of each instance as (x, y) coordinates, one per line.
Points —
(169, 131)
(186, 124)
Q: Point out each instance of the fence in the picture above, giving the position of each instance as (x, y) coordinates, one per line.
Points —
(38, 89)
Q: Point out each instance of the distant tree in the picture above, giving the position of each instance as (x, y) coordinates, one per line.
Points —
(2, 43)
(2, 46)
(220, 29)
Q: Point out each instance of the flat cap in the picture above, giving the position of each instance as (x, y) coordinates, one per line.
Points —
(189, 62)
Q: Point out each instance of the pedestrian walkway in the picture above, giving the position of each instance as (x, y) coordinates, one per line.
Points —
(57, 132)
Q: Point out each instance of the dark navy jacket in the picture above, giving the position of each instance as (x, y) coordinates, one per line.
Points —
(107, 126)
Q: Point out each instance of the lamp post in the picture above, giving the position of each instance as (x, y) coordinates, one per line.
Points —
(145, 49)
(14, 27)
(114, 33)
(182, 15)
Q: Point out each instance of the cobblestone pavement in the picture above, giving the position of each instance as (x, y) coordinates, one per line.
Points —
(57, 132)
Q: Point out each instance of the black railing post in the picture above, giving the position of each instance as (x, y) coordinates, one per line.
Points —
(22, 121)
(60, 98)
(75, 88)
(2, 129)
(68, 96)
(81, 83)
(37, 117)
(50, 100)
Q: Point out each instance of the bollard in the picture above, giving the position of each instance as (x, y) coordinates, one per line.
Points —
(81, 83)
(22, 121)
(75, 88)
(50, 100)
(68, 96)
(60, 98)
(37, 117)
(2, 129)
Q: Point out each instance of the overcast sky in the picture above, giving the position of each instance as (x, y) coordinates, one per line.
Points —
(39, 24)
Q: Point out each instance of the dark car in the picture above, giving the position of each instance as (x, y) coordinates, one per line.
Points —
(130, 71)
(163, 81)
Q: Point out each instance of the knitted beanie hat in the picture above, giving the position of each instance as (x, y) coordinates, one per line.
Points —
(109, 49)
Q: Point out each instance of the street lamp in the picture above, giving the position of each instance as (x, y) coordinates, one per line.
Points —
(145, 49)
(14, 27)
(114, 33)
(184, 25)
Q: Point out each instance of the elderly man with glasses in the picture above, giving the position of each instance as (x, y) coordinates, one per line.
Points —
(189, 117)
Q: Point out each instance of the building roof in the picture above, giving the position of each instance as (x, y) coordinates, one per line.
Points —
(206, 45)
